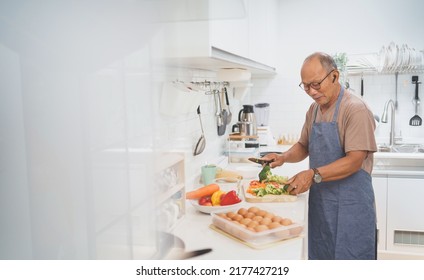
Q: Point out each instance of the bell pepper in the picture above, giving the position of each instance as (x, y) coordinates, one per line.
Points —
(230, 198)
(216, 197)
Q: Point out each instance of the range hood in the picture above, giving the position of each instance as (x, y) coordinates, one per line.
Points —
(219, 59)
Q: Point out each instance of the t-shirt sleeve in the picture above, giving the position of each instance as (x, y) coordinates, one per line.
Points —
(359, 129)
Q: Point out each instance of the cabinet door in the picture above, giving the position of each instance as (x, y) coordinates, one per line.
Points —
(405, 224)
(380, 191)
(263, 30)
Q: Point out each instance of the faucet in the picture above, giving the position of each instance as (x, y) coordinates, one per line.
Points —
(392, 120)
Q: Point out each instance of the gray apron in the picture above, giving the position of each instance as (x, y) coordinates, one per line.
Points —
(342, 219)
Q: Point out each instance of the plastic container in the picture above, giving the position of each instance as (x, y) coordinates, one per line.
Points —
(270, 235)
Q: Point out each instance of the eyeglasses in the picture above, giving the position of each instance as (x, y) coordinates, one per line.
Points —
(314, 85)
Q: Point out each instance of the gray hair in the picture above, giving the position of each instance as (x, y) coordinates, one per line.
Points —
(325, 59)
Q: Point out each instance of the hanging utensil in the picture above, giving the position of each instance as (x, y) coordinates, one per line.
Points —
(224, 111)
(362, 86)
(416, 120)
(201, 143)
(219, 118)
(230, 115)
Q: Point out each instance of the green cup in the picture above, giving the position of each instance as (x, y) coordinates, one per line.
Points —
(208, 174)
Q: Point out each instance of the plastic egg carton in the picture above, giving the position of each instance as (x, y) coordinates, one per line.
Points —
(268, 232)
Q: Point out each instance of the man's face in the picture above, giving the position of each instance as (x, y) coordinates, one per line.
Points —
(318, 82)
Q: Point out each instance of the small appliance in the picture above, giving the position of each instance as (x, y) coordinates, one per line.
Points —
(264, 131)
(246, 124)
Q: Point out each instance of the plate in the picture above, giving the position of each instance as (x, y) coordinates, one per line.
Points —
(214, 209)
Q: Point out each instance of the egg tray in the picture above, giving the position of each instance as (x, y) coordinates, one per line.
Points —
(256, 238)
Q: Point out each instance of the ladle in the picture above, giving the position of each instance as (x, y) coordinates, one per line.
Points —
(201, 143)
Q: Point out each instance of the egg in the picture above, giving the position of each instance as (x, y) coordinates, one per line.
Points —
(253, 209)
(231, 215)
(269, 215)
(245, 221)
(242, 211)
(252, 224)
(261, 228)
(265, 221)
(276, 219)
(261, 213)
(249, 215)
(286, 222)
(237, 217)
(274, 225)
(257, 218)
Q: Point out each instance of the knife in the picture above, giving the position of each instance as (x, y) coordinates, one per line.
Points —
(260, 161)
(189, 254)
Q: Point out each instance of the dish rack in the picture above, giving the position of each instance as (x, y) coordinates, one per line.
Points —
(390, 59)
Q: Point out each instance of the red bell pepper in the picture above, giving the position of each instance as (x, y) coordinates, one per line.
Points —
(230, 198)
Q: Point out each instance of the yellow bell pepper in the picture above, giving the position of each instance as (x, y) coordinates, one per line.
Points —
(216, 198)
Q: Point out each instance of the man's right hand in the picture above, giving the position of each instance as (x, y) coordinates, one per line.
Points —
(277, 159)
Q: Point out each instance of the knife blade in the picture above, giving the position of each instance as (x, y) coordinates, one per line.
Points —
(260, 161)
(189, 254)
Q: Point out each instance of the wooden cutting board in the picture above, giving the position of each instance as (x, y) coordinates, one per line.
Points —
(228, 176)
(267, 198)
(253, 245)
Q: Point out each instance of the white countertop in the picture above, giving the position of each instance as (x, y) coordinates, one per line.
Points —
(194, 229)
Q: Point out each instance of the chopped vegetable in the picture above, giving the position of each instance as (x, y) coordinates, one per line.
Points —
(270, 188)
(268, 184)
(264, 173)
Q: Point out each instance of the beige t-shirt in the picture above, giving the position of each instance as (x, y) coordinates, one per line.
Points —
(356, 126)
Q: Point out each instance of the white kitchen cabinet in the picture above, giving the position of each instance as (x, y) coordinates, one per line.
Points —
(380, 191)
(405, 226)
(263, 30)
(253, 35)
(219, 34)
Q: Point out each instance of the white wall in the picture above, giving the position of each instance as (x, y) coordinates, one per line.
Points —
(353, 27)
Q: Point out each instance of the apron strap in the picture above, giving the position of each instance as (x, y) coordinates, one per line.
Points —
(339, 99)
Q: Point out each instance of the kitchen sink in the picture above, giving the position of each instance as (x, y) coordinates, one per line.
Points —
(401, 148)
(406, 158)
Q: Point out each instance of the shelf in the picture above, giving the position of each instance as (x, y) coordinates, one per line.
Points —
(161, 198)
(218, 59)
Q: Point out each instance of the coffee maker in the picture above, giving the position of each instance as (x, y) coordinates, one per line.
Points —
(246, 124)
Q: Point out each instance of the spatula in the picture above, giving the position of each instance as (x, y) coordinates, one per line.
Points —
(416, 120)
